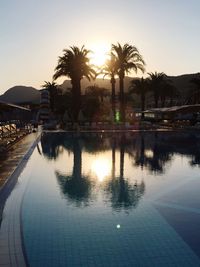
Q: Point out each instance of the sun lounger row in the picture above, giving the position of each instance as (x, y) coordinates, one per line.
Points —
(10, 133)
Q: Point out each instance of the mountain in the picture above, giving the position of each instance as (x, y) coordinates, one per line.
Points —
(99, 81)
(25, 95)
(183, 82)
(21, 95)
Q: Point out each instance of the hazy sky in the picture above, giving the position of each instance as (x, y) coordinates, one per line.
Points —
(33, 34)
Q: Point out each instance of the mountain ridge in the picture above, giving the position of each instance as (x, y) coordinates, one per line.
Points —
(26, 94)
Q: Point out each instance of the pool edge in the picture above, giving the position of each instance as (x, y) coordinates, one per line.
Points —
(13, 253)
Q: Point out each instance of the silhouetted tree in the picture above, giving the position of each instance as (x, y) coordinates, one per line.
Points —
(140, 87)
(95, 90)
(156, 81)
(167, 91)
(52, 88)
(127, 58)
(110, 69)
(91, 106)
(75, 64)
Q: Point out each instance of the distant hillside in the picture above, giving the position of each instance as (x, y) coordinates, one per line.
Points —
(181, 82)
(99, 81)
(21, 94)
(24, 94)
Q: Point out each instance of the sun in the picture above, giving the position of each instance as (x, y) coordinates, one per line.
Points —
(99, 54)
(101, 168)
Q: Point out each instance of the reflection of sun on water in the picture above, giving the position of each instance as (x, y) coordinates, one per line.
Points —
(101, 168)
(99, 54)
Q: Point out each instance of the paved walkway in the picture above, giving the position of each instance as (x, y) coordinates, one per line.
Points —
(10, 160)
(11, 253)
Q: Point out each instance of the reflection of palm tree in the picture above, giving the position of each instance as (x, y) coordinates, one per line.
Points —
(113, 156)
(140, 156)
(127, 58)
(51, 145)
(75, 65)
(76, 187)
(195, 159)
(123, 194)
(158, 157)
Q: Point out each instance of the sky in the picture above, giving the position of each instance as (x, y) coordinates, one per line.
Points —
(33, 34)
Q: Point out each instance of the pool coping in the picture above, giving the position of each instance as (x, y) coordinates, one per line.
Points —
(11, 237)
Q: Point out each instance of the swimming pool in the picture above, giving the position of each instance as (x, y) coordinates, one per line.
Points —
(113, 199)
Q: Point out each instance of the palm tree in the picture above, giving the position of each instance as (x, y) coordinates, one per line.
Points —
(75, 64)
(127, 58)
(110, 69)
(52, 88)
(156, 81)
(140, 87)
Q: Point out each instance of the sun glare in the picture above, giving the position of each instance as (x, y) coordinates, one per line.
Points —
(99, 54)
(101, 168)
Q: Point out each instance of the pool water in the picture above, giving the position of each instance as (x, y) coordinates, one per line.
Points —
(113, 199)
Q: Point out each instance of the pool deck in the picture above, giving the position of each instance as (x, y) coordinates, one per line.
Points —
(11, 245)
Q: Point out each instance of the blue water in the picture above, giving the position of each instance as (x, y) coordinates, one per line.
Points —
(103, 199)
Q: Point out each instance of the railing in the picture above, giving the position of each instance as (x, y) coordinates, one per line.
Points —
(10, 133)
(7, 130)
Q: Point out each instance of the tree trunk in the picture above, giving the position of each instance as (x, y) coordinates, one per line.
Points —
(113, 158)
(142, 150)
(76, 98)
(171, 100)
(156, 100)
(113, 96)
(77, 159)
(122, 160)
(162, 101)
(121, 96)
(142, 105)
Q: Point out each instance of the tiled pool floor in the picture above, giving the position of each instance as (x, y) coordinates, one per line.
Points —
(89, 236)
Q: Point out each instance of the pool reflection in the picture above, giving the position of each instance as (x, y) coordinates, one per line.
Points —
(151, 151)
(75, 186)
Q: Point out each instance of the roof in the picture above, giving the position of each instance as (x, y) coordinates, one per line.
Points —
(6, 106)
(184, 108)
